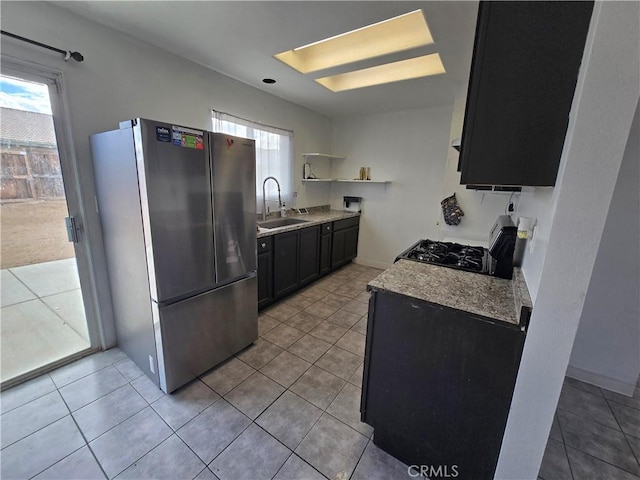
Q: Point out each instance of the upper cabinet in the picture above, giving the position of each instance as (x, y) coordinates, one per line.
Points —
(524, 71)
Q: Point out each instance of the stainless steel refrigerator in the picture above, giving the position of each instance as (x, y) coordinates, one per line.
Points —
(178, 212)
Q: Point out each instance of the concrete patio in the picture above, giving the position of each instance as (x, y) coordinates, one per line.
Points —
(41, 317)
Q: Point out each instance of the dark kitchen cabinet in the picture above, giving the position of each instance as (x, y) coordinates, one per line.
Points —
(337, 249)
(351, 243)
(524, 71)
(265, 274)
(438, 383)
(345, 241)
(285, 262)
(325, 247)
(309, 261)
(290, 260)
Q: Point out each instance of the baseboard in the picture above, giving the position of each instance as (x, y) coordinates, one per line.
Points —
(601, 381)
(371, 263)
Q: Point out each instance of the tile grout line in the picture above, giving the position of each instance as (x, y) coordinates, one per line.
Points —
(175, 432)
(588, 454)
(84, 438)
(564, 445)
(324, 410)
(32, 400)
(369, 440)
(622, 431)
(57, 389)
(604, 461)
(40, 428)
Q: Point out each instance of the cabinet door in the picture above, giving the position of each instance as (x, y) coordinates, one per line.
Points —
(285, 263)
(309, 258)
(265, 288)
(325, 253)
(337, 249)
(351, 243)
(523, 76)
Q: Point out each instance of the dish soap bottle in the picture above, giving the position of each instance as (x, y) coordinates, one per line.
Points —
(283, 211)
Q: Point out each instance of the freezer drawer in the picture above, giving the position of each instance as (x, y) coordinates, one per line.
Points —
(196, 334)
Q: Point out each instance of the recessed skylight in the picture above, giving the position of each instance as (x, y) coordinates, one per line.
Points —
(390, 72)
(393, 35)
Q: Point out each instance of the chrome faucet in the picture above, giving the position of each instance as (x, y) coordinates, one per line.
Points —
(264, 197)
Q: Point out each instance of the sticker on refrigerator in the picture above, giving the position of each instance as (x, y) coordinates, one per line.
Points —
(187, 137)
(163, 134)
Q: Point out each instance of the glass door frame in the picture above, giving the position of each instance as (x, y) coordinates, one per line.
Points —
(76, 208)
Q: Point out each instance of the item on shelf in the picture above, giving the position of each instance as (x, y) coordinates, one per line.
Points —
(368, 173)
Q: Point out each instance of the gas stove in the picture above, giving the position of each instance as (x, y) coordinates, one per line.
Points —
(448, 254)
(497, 260)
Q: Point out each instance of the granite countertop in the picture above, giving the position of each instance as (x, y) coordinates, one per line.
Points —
(313, 218)
(497, 298)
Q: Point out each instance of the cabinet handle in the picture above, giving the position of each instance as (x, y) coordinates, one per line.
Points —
(264, 245)
(328, 228)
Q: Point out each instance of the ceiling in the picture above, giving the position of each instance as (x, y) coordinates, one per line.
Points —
(239, 39)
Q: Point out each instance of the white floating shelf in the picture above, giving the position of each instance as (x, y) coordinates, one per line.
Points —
(362, 181)
(344, 180)
(325, 155)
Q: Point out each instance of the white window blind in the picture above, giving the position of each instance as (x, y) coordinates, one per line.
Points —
(274, 155)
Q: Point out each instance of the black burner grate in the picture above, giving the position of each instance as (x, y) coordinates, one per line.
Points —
(453, 255)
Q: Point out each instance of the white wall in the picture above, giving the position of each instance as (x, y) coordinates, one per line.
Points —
(409, 148)
(123, 78)
(606, 351)
(413, 149)
(603, 108)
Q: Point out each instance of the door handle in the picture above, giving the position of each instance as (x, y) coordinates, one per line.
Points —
(73, 229)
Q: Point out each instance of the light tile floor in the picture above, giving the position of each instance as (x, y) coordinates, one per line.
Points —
(285, 408)
(41, 317)
(595, 435)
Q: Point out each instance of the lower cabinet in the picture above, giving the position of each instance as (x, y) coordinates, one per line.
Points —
(290, 260)
(337, 250)
(345, 241)
(285, 263)
(325, 249)
(309, 264)
(351, 243)
(265, 273)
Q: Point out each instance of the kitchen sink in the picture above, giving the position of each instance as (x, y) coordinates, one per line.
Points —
(280, 222)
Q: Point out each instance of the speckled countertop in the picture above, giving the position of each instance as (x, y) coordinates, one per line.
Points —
(313, 218)
(470, 292)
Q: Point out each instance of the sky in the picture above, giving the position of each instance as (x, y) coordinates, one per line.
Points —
(22, 95)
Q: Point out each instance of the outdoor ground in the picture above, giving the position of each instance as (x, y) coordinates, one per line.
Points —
(33, 231)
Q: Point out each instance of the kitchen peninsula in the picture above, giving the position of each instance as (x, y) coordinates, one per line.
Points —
(442, 355)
